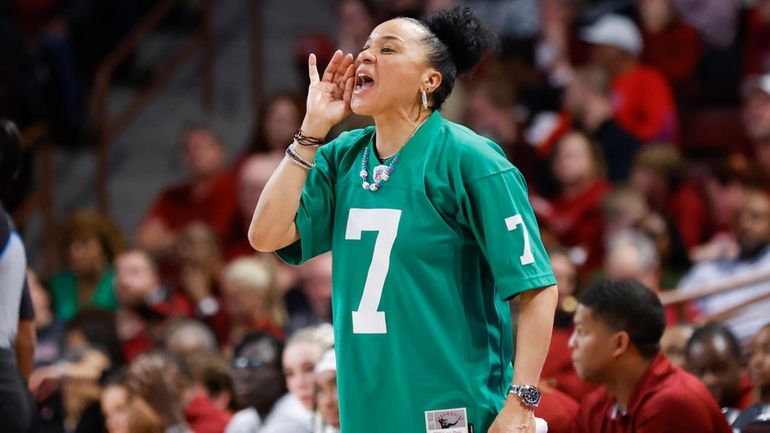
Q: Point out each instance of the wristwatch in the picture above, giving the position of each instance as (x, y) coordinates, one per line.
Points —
(529, 394)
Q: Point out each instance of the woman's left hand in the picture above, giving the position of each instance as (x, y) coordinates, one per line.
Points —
(514, 417)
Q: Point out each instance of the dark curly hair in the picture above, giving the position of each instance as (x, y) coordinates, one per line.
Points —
(458, 40)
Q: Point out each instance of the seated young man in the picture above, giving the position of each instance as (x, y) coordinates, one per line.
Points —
(618, 325)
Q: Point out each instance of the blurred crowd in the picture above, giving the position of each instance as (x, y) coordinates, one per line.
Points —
(642, 128)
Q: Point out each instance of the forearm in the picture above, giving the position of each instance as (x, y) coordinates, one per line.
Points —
(272, 226)
(533, 335)
(25, 347)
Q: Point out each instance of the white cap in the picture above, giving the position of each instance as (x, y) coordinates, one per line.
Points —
(614, 30)
(328, 362)
(761, 82)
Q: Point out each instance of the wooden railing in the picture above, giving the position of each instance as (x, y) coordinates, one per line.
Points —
(675, 297)
(108, 128)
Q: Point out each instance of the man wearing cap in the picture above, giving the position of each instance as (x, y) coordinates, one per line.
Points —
(618, 325)
(642, 100)
(756, 118)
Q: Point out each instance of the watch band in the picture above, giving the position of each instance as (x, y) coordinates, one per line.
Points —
(529, 394)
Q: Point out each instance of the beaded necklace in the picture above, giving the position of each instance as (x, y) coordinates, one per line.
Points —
(381, 173)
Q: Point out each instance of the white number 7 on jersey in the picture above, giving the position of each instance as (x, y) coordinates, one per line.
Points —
(367, 320)
(511, 222)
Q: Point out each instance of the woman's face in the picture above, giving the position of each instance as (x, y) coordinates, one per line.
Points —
(355, 21)
(299, 360)
(391, 69)
(326, 388)
(572, 161)
(242, 302)
(281, 122)
(85, 255)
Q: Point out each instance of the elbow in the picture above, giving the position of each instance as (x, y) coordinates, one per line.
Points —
(259, 240)
(546, 297)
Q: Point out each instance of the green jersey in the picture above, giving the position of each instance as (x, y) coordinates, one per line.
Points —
(422, 271)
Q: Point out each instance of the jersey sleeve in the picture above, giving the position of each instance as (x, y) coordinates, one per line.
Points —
(314, 218)
(26, 308)
(504, 225)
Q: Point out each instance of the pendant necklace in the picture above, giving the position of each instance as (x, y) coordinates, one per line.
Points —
(382, 172)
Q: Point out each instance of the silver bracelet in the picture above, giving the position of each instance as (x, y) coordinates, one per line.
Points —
(297, 159)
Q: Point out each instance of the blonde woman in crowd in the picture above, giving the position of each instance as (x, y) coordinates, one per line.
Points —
(293, 413)
(252, 298)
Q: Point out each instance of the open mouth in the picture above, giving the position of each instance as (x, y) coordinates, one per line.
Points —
(363, 82)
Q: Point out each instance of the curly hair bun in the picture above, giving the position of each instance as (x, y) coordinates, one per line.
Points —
(466, 37)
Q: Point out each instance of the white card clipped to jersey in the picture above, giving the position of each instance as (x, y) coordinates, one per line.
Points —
(456, 421)
(446, 421)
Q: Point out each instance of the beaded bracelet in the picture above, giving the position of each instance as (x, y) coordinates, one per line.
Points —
(295, 158)
(304, 140)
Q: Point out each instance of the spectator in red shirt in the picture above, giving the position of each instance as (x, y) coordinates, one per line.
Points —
(670, 45)
(642, 99)
(253, 175)
(208, 195)
(618, 325)
(587, 105)
(659, 173)
(714, 356)
(144, 304)
(574, 215)
(198, 264)
(756, 118)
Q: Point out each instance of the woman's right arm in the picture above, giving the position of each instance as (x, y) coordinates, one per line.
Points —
(328, 102)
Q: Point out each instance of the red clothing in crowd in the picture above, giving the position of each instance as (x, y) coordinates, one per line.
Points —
(577, 221)
(644, 105)
(557, 409)
(236, 243)
(674, 51)
(683, 312)
(665, 400)
(177, 206)
(746, 393)
(204, 417)
(756, 59)
(137, 329)
(688, 209)
(558, 370)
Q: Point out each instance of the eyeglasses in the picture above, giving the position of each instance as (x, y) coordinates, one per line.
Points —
(242, 362)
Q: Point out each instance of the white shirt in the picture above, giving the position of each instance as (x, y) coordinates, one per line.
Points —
(288, 416)
(748, 320)
(244, 421)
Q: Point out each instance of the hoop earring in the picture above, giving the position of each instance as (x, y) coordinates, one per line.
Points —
(424, 99)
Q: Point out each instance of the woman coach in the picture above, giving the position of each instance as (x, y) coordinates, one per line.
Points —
(431, 233)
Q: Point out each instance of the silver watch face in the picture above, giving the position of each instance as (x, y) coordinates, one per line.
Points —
(530, 395)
